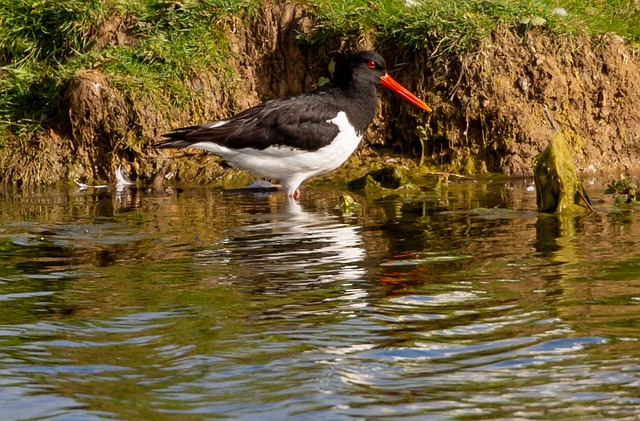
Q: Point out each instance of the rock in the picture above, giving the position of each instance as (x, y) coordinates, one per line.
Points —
(348, 204)
(392, 179)
(557, 185)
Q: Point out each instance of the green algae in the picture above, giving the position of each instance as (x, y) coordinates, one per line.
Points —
(348, 204)
(558, 188)
(387, 181)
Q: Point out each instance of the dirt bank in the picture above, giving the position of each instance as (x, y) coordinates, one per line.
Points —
(590, 85)
(488, 105)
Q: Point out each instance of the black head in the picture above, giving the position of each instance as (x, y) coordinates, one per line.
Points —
(362, 67)
(363, 71)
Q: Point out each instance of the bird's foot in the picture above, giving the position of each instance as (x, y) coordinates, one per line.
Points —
(295, 195)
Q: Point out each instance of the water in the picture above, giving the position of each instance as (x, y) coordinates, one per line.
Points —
(198, 304)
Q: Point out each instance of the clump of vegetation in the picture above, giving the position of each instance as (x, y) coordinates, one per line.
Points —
(623, 189)
(45, 43)
(37, 39)
(445, 26)
(348, 204)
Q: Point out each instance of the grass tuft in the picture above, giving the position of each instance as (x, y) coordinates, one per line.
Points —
(454, 26)
(45, 43)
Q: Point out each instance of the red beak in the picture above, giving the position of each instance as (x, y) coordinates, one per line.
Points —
(388, 82)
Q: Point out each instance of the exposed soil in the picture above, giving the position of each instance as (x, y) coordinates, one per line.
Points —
(488, 107)
(591, 87)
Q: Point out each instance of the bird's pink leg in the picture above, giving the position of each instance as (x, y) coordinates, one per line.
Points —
(296, 194)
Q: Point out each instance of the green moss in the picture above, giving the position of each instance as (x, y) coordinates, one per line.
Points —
(347, 204)
(558, 188)
(386, 181)
(469, 167)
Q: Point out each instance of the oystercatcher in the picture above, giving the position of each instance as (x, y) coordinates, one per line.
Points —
(293, 138)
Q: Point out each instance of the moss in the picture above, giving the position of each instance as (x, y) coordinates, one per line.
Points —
(469, 167)
(389, 180)
(558, 188)
(347, 204)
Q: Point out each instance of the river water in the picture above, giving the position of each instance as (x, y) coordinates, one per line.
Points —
(193, 303)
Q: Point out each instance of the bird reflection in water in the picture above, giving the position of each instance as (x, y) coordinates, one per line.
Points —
(292, 252)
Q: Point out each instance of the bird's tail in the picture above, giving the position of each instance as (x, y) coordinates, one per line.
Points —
(173, 144)
(177, 139)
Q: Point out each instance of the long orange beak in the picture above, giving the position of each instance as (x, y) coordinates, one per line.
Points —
(389, 82)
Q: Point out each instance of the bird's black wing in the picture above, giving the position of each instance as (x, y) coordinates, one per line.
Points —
(302, 122)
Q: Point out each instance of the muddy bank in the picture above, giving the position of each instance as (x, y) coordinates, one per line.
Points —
(590, 85)
(488, 105)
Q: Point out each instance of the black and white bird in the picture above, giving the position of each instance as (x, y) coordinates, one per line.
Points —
(294, 138)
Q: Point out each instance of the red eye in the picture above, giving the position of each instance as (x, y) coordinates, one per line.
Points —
(372, 64)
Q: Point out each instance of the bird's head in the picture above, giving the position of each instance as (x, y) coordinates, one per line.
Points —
(369, 66)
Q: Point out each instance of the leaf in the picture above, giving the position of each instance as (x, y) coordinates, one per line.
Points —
(537, 21)
(332, 67)
(533, 21)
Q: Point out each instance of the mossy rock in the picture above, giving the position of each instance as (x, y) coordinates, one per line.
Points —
(385, 181)
(558, 188)
(347, 204)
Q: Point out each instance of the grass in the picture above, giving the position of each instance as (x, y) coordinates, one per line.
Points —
(34, 38)
(454, 26)
(44, 43)
(620, 17)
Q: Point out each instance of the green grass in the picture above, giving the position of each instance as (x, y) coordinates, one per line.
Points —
(44, 43)
(35, 37)
(454, 26)
(620, 17)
